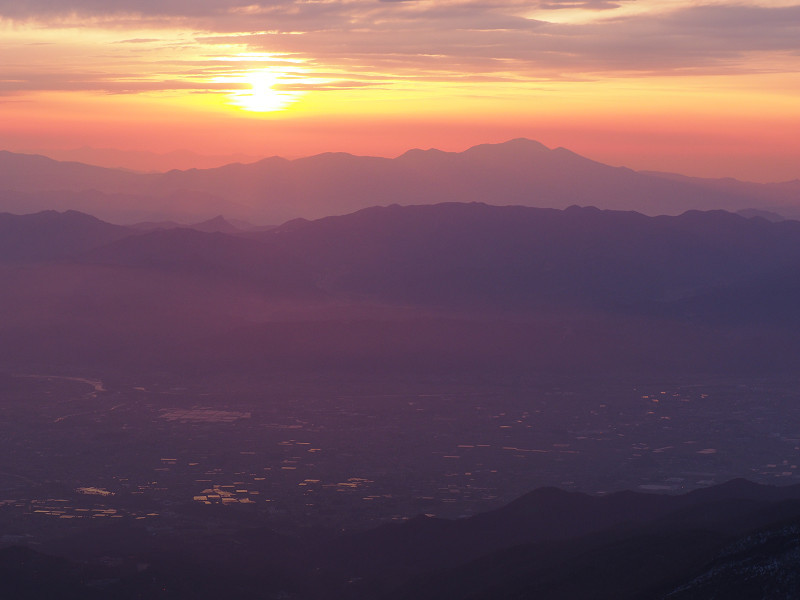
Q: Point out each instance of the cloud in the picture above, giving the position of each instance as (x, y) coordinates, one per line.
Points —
(109, 83)
(311, 12)
(358, 43)
(48, 9)
(580, 4)
(477, 37)
(138, 41)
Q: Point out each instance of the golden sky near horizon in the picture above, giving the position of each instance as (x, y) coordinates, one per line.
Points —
(703, 88)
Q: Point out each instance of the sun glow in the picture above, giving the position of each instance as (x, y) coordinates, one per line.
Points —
(261, 91)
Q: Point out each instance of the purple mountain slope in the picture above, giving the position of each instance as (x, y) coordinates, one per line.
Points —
(50, 235)
(473, 285)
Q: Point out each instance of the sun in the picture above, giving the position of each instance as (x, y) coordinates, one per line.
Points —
(262, 95)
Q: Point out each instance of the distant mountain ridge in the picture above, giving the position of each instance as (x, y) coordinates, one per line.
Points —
(478, 255)
(468, 285)
(473, 256)
(50, 235)
(273, 190)
(143, 161)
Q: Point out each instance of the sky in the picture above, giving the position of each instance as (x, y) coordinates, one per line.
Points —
(702, 88)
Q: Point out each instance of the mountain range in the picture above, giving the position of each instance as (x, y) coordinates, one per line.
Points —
(473, 266)
(144, 161)
(468, 286)
(273, 190)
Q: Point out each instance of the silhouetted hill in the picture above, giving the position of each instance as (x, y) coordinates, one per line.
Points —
(641, 557)
(217, 225)
(475, 255)
(175, 567)
(451, 286)
(143, 161)
(517, 172)
(780, 197)
(601, 567)
(738, 540)
(35, 173)
(50, 235)
(682, 563)
(127, 207)
(153, 225)
(542, 520)
(751, 213)
(760, 565)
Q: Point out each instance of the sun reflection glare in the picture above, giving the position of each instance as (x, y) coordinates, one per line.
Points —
(263, 94)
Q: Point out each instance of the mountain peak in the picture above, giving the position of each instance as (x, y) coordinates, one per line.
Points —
(62, 216)
(524, 142)
(516, 146)
(420, 154)
(216, 225)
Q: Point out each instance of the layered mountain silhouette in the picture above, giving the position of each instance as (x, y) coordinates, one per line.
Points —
(144, 161)
(476, 255)
(444, 288)
(480, 263)
(52, 235)
(273, 190)
(467, 286)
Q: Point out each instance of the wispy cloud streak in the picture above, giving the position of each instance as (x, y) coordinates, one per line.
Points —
(358, 43)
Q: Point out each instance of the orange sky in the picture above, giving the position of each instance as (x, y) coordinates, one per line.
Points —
(709, 89)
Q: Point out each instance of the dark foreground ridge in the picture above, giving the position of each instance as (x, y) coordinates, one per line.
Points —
(738, 540)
